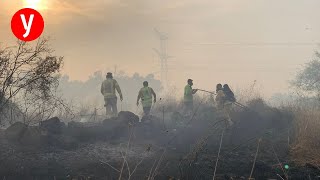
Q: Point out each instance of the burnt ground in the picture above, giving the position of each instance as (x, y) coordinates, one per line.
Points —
(180, 148)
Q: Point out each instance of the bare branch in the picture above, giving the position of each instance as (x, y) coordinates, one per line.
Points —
(29, 70)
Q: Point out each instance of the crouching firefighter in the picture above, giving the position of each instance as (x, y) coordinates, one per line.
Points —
(145, 94)
(108, 90)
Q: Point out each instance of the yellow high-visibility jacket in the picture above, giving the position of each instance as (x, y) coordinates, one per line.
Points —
(146, 94)
(109, 87)
(188, 95)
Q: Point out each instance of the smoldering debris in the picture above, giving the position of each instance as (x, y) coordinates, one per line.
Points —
(176, 147)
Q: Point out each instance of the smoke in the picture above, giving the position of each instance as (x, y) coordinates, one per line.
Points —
(88, 92)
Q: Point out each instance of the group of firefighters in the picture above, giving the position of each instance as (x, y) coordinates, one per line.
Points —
(224, 97)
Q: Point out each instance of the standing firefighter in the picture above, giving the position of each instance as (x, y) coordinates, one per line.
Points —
(188, 96)
(108, 90)
(229, 94)
(220, 96)
(223, 103)
(145, 94)
(229, 100)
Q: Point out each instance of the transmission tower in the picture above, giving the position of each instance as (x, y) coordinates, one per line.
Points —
(163, 56)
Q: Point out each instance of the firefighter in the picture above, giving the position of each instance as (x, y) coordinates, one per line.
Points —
(188, 96)
(220, 96)
(223, 103)
(108, 89)
(145, 94)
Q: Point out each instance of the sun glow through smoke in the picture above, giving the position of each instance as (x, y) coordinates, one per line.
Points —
(34, 4)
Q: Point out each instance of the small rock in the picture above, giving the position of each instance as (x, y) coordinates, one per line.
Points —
(128, 117)
(52, 125)
(15, 131)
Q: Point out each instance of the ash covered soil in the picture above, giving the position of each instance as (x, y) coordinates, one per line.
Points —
(173, 147)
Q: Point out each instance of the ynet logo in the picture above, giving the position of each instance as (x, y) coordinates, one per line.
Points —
(27, 24)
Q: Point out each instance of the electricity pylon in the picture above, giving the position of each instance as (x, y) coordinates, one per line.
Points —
(163, 57)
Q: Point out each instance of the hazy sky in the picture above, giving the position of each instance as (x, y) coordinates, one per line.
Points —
(210, 41)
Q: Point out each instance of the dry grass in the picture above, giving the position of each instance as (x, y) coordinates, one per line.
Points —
(306, 145)
(248, 93)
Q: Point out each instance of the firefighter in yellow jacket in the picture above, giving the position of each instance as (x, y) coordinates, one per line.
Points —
(145, 94)
(108, 90)
(220, 98)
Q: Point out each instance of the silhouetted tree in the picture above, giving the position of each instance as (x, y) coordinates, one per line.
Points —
(28, 72)
(307, 80)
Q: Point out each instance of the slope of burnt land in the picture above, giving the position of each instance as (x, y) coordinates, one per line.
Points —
(171, 147)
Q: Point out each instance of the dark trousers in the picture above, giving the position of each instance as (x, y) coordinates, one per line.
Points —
(111, 107)
(146, 110)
